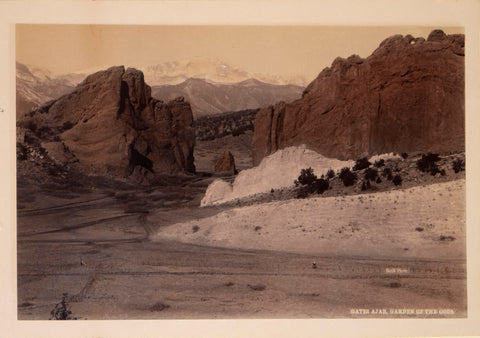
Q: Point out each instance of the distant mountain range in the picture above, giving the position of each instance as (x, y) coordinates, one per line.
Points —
(208, 98)
(36, 86)
(175, 72)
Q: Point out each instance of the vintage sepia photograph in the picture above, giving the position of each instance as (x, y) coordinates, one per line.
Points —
(240, 172)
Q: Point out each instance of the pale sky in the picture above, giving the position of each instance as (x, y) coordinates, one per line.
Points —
(279, 50)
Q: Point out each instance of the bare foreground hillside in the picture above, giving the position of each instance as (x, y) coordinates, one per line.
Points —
(117, 253)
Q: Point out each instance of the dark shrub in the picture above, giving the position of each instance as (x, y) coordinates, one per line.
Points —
(428, 163)
(379, 163)
(310, 183)
(361, 163)
(320, 185)
(436, 170)
(61, 311)
(306, 177)
(348, 177)
(404, 156)
(387, 172)
(303, 192)
(371, 174)
(330, 174)
(458, 165)
(366, 185)
(378, 180)
(397, 180)
(195, 228)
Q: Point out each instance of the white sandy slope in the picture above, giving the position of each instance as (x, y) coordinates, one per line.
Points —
(278, 170)
(374, 225)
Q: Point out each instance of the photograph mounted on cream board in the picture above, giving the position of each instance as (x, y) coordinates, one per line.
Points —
(243, 171)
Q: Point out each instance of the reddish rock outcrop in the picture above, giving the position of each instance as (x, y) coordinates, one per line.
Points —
(407, 96)
(113, 126)
(226, 164)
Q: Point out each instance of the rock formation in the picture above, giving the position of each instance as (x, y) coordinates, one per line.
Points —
(112, 126)
(226, 164)
(407, 96)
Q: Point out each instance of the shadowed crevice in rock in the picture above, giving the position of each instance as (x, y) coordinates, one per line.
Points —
(137, 159)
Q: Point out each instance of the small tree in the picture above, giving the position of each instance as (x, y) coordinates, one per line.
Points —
(310, 183)
(371, 174)
(387, 173)
(330, 174)
(307, 176)
(379, 163)
(458, 165)
(366, 185)
(428, 163)
(397, 180)
(320, 185)
(61, 311)
(347, 176)
(361, 163)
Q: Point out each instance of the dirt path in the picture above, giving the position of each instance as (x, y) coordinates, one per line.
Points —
(140, 279)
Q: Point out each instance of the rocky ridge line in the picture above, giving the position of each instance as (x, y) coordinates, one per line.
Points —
(408, 96)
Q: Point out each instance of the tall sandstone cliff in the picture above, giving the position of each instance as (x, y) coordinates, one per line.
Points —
(110, 125)
(407, 96)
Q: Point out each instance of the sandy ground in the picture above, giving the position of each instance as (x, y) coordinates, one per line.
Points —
(415, 222)
(97, 246)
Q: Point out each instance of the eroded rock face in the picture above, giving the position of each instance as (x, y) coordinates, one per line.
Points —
(113, 127)
(407, 96)
(226, 164)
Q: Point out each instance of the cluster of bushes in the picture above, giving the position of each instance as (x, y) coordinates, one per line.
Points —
(349, 176)
(361, 163)
(371, 174)
(220, 125)
(428, 164)
(310, 183)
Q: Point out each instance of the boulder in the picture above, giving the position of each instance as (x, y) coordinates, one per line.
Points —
(226, 164)
(407, 96)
